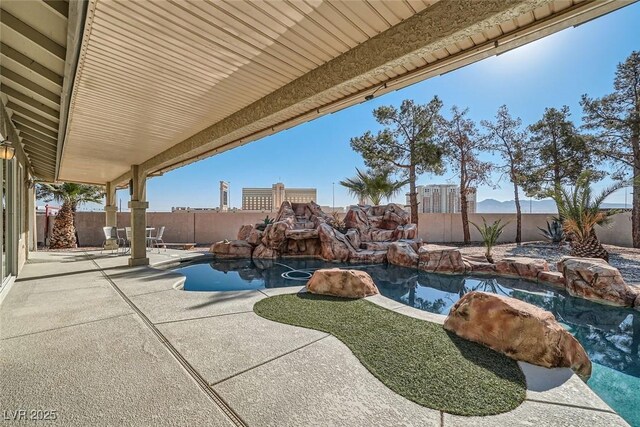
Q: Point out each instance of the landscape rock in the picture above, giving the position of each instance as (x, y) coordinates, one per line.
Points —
(523, 267)
(356, 218)
(380, 235)
(261, 251)
(481, 267)
(342, 283)
(553, 277)
(231, 249)
(375, 246)
(392, 215)
(595, 279)
(441, 259)
(401, 253)
(334, 246)
(415, 243)
(368, 257)
(255, 237)
(407, 232)
(285, 213)
(276, 234)
(517, 329)
(304, 234)
(354, 237)
(244, 232)
(303, 229)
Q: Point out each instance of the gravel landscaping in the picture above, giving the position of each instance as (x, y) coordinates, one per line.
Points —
(627, 260)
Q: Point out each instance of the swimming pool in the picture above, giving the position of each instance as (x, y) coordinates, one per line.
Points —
(610, 335)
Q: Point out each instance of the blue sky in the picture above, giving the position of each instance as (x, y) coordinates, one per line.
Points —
(550, 72)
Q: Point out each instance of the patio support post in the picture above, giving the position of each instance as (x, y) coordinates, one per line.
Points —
(138, 207)
(110, 213)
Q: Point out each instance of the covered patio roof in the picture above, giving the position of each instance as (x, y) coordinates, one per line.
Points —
(164, 84)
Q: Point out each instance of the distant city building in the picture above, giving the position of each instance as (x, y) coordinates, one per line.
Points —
(270, 199)
(442, 198)
(189, 209)
(224, 196)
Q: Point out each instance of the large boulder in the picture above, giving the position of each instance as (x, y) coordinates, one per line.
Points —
(595, 279)
(441, 259)
(517, 329)
(368, 257)
(302, 247)
(394, 216)
(263, 252)
(255, 237)
(407, 232)
(244, 232)
(523, 267)
(285, 212)
(231, 249)
(375, 246)
(354, 237)
(357, 218)
(301, 234)
(342, 283)
(401, 253)
(334, 246)
(275, 235)
(381, 235)
(480, 267)
(552, 277)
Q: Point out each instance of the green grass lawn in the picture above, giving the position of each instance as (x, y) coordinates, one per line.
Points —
(417, 359)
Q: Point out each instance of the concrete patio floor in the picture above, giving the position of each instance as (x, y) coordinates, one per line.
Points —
(104, 344)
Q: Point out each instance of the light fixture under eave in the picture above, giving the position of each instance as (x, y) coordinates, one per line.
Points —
(7, 151)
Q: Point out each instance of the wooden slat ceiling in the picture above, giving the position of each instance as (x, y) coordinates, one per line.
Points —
(153, 74)
(33, 52)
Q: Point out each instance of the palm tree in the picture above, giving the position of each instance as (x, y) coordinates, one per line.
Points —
(580, 213)
(490, 235)
(71, 196)
(373, 184)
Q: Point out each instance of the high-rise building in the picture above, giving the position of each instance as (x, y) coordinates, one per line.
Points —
(442, 198)
(224, 196)
(270, 199)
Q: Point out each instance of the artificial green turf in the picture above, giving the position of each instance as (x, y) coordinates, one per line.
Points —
(417, 359)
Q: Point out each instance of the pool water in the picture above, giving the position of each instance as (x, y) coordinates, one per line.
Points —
(610, 335)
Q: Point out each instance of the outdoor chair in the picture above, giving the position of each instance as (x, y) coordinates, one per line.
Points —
(127, 233)
(157, 239)
(111, 233)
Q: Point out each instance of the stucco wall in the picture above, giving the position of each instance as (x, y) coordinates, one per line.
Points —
(208, 227)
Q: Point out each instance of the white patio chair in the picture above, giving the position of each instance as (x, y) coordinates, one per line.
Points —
(155, 240)
(127, 233)
(110, 233)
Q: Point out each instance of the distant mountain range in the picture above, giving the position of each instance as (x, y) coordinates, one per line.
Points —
(533, 206)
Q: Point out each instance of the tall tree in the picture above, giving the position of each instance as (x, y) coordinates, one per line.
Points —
(558, 154)
(71, 196)
(374, 184)
(407, 144)
(508, 139)
(461, 143)
(616, 120)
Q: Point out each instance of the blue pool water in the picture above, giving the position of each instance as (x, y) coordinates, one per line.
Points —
(610, 335)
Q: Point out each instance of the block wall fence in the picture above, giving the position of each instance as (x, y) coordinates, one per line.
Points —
(207, 227)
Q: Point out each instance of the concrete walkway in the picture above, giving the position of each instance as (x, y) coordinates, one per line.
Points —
(100, 343)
